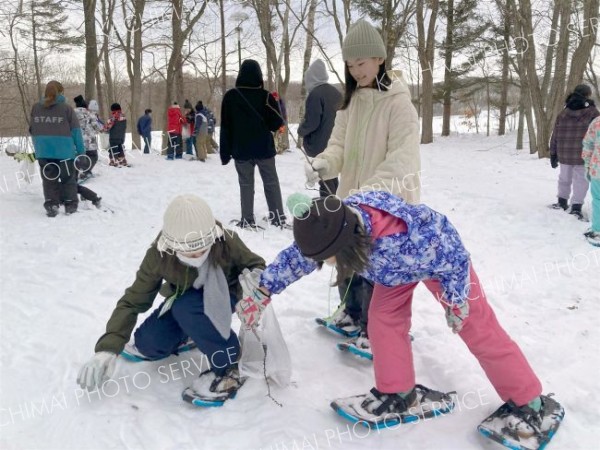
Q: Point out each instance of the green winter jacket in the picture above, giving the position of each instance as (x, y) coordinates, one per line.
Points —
(165, 275)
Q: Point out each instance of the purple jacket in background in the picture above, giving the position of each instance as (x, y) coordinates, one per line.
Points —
(570, 128)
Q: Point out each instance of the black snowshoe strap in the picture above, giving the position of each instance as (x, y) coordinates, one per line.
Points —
(527, 415)
(392, 400)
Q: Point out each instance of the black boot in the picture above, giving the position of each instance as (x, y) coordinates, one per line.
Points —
(576, 211)
(562, 203)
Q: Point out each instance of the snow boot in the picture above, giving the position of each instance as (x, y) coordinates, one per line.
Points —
(524, 428)
(342, 323)
(593, 237)
(576, 211)
(70, 207)
(52, 211)
(379, 410)
(359, 345)
(562, 203)
(211, 390)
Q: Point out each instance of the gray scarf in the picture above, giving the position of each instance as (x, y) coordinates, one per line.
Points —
(217, 305)
(216, 293)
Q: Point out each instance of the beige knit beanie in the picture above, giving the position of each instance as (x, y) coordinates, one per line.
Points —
(188, 225)
(363, 41)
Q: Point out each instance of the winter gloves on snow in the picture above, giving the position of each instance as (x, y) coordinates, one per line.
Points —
(97, 370)
(554, 160)
(250, 308)
(315, 170)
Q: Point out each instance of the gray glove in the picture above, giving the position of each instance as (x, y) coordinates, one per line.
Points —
(97, 370)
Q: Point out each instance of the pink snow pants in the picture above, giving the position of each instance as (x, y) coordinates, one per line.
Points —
(499, 356)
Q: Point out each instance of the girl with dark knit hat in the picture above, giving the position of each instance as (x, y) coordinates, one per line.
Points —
(374, 145)
(396, 245)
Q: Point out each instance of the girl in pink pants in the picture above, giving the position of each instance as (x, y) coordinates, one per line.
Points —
(396, 245)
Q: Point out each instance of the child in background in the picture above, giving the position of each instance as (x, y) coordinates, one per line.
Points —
(591, 158)
(116, 127)
(395, 246)
(374, 145)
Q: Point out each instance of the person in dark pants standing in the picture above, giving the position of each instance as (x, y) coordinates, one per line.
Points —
(249, 116)
(116, 127)
(322, 102)
(144, 129)
(57, 141)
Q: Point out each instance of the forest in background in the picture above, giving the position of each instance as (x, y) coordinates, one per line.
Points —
(514, 59)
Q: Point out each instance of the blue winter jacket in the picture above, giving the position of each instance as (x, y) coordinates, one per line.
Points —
(144, 125)
(430, 249)
(55, 131)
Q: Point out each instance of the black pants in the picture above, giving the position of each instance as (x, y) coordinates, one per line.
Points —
(116, 149)
(147, 143)
(85, 163)
(87, 193)
(175, 145)
(268, 173)
(358, 298)
(59, 181)
(328, 187)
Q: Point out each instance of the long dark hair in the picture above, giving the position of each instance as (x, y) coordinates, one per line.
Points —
(384, 83)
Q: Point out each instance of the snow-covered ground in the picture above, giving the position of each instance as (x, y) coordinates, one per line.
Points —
(62, 277)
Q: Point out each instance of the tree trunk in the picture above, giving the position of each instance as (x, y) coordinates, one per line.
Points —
(223, 50)
(91, 48)
(426, 51)
(310, 29)
(521, 126)
(448, 70)
(505, 79)
(586, 44)
(36, 59)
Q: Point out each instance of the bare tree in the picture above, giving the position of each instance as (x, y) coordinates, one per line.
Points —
(131, 44)
(587, 40)
(426, 49)
(91, 48)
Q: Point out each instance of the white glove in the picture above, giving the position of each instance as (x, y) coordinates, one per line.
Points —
(315, 170)
(97, 370)
(250, 282)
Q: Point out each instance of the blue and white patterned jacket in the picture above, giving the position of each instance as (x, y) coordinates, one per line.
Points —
(431, 249)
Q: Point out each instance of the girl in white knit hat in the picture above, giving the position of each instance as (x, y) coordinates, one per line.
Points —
(195, 264)
(374, 145)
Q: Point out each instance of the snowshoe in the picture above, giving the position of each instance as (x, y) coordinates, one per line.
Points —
(359, 346)
(246, 225)
(593, 237)
(341, 323)
(378, 410)
(212, 390)
(522, 428)
(132, 354)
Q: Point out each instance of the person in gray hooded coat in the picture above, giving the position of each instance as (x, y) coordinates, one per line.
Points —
(319, 117)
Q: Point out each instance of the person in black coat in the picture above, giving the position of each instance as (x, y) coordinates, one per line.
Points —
(249, 115)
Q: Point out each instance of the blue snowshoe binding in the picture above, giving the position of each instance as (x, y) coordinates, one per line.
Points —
(132, 354)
